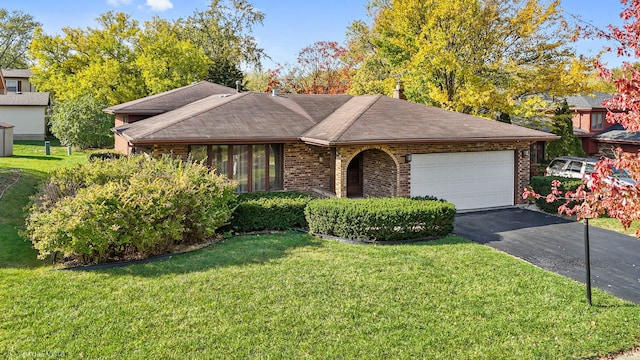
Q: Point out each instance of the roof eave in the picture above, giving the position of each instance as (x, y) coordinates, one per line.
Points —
(133, 112)
(203, 141)
(322, 142)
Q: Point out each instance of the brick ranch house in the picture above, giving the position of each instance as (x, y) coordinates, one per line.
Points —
(334, 145)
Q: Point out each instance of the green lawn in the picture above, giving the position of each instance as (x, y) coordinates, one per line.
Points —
(30, 166)
(292, 296)
(614, 225)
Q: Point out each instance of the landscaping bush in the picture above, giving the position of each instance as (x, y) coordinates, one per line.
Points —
(381, 219)
(129, 207)
(542, 186)
(105, 155)
(270, 211)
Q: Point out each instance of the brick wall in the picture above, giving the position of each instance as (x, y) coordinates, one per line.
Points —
(380, 174)
(385, 171)
(181, 151)
(306, 167)
(396, 153)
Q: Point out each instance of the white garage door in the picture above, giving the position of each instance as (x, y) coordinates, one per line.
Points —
(470, 180)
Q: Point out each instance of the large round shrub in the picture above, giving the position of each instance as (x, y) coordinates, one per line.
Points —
(135, 206)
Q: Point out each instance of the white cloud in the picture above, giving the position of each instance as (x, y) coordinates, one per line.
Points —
(157, 5)
(118, 2)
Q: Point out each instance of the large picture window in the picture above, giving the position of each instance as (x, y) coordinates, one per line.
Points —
(254, 167)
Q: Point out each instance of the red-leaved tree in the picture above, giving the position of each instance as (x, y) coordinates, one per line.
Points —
(320, 69)
(602, 194)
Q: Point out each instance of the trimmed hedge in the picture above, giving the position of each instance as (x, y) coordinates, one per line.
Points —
(381, 219)
(270, 211)
(542, 186)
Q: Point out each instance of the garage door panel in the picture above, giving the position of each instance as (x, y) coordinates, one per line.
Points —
(470, 180)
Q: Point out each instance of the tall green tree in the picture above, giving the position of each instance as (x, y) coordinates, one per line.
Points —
(80, 122)
(119, 60)
(16, 32)
(166, 58)
(561, 125)
(483, 57)
(224, 32)
(97, 61)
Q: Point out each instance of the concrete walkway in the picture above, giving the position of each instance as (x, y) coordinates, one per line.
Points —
(557, 245)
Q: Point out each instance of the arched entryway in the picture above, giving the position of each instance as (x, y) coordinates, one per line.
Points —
(355, 179)
(372, 173)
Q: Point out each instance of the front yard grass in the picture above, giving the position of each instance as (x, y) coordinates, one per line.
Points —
(614, 225)
(293, 296)
(29, 165)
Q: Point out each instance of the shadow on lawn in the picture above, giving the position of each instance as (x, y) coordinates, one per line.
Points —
(37, 157)
(236, 251)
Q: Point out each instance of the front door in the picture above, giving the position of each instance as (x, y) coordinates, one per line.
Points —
(354, 177)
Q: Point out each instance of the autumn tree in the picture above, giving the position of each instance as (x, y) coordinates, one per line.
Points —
(602, 193)
(16, 32)
(119, 60)
(320, 69)
(483, 57)
(97, 61)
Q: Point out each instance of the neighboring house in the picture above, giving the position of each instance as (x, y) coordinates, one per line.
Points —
(598, 136)
(17, 80)
(334, 145)
(21, 106)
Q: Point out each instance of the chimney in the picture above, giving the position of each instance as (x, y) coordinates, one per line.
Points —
(238, 86)
(398, 93)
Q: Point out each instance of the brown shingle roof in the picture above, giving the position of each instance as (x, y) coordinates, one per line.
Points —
(317, 119)
(238, 117)
(380, 119)
(25, 99)
(170, 100)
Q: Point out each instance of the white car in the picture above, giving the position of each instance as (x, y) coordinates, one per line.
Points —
(581, 168)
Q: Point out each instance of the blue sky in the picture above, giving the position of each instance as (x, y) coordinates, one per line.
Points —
(289, 25)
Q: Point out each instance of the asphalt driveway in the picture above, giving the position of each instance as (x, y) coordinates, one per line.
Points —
(557, 245)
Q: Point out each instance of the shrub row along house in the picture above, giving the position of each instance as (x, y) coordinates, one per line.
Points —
(334, 145)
